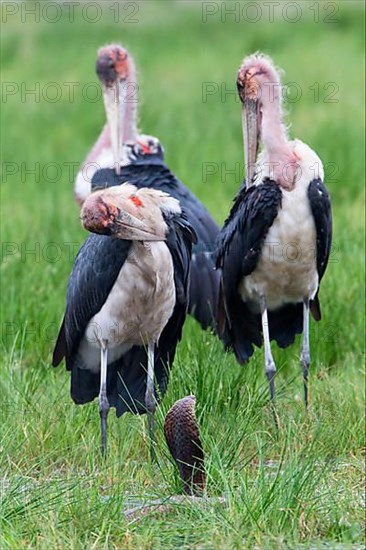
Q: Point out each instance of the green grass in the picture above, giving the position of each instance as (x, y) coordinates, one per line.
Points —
(300, 489)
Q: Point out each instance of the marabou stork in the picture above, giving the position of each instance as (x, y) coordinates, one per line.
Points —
(274, 247)
(120, 132)
(139, 159)
(127, 298)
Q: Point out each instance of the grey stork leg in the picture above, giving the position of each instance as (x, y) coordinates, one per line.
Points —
(305, 350)
(270, 366)
(103, 400)
(150, 400)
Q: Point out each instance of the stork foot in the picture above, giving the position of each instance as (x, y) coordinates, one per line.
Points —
(150, 402)
(305, 364)
(103, 412)
(151, 424)
(271, 373)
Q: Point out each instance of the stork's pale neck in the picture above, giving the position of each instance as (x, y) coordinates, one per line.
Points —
(274, 137)
(273, 132)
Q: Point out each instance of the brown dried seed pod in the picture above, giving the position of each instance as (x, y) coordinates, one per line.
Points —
(183, 439)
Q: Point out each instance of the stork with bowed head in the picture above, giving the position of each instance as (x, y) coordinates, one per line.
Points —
(126, 301)
(120, 142)
(144, 166)
(274, 247)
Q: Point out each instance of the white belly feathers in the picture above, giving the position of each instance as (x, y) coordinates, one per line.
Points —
(286, 271)
(138, 307)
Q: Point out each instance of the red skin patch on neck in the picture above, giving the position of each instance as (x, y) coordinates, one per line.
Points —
(136, 201)
(145, 148)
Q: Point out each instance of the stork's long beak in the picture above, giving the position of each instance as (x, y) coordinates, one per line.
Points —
(127, 226)
(114, 97)
(250, 135)
(248, 93)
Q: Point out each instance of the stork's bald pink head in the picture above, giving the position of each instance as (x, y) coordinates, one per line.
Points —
(116, 72)
(112, 64)
(257, 73)
(97, 215)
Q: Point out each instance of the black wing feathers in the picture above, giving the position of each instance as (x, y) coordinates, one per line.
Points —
(321, 209)
(238, 251)
(59, 351)
(244, 231)
(95, 271)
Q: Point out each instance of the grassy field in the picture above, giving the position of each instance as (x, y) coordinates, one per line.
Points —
(302, 488)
